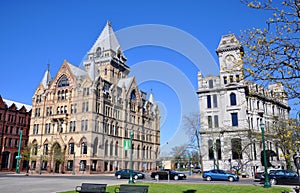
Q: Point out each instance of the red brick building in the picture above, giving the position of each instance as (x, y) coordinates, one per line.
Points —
(14, 117)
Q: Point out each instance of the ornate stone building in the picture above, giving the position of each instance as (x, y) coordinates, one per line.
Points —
(14, 117)
(231, 110)
(82, 116)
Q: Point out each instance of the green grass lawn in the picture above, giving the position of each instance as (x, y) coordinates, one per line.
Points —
(203, 188)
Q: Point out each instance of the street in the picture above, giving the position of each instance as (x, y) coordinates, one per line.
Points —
(49, 183)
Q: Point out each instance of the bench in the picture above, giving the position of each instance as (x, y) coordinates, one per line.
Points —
(125, 188)
(90, 188)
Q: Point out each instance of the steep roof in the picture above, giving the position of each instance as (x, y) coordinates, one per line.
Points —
(77, 72)
(46, 78)
(126, 82)
(18, 105)
(106, 41)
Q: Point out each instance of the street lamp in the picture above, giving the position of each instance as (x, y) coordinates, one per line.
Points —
(18, 157)
(131, 152)
(73, 168)
(267, 182)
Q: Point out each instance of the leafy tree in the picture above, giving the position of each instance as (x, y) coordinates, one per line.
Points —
(287, 135)
(272, 54)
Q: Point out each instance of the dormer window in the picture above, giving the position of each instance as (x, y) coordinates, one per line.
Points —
(98, 52)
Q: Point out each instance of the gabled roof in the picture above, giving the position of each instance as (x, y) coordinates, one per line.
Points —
(126, 82)
(76, 71)
(106, 41)
(18, 105)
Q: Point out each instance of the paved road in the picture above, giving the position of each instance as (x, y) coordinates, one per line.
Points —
(19, 183)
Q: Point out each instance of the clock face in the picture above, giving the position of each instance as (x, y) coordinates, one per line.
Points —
(229, 60)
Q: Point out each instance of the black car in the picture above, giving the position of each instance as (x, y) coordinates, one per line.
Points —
(125, 173)
(287, 177)
(168, 174)
(257, 176)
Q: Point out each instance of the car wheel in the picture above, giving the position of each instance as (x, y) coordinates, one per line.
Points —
(119, 176)
(273, 181)
(231, 179)
(135, 177)
(176, 178)
(208, 178)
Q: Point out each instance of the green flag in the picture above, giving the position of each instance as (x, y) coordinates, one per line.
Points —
(126, 144)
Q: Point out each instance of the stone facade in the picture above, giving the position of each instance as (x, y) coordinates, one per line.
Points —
(14, 118)
(83, 116)
(231, 110)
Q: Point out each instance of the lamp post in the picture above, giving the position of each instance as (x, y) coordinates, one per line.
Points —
(131, 152)
(18, 157)
(267, 182)
(73, 168)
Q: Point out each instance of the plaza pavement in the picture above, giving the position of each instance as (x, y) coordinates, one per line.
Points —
(49, 183)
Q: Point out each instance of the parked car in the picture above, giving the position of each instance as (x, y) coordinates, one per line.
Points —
(219, 175)
(286, 177)
(125, 173)
(196, 169)
(257, 176)
(166, 173)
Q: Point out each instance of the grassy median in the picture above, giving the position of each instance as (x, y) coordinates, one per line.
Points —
(203, 188)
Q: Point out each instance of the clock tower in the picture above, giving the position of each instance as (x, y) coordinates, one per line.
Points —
(230, 53)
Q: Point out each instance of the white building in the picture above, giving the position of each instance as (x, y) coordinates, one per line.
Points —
(231, 110)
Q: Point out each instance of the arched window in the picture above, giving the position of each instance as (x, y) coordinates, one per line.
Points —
(116, 148)
(111, 149)
(34, 149)
(132, 100)
(132, 95)
(62, 95)
(58, 95)
(232, 99)
(236, 148)
(95, 147)
(210, 150)
(84, 148)
(71, 148)
(63, 81)
(106, 148)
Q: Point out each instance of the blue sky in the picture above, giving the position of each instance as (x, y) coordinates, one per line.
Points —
(35, 33)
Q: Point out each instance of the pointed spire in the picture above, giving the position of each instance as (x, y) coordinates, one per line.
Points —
(47, 77)
(106, 41)
(151, 98)
(92, 71)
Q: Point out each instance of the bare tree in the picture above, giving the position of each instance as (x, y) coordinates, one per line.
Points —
(192, 125)
(272, 54)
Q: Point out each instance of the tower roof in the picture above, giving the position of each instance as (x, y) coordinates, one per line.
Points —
(106, 41)
(151, 98)
(46, 78)
(228, 42)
